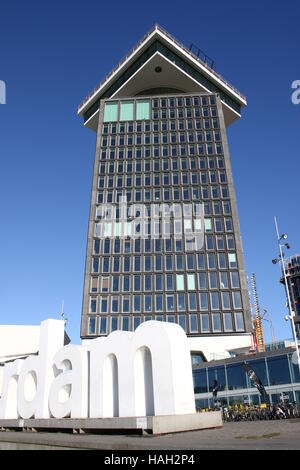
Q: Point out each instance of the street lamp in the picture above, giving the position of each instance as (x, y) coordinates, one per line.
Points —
(274, 261)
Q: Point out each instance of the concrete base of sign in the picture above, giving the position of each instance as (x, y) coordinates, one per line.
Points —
(151, 424)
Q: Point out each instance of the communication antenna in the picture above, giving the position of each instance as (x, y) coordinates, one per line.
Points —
(63, 317)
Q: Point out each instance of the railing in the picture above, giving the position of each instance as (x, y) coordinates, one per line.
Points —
(202, 55)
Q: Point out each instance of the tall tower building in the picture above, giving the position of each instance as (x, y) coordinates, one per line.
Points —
(161, 118)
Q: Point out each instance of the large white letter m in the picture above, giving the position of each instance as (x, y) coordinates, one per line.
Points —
(145, 373)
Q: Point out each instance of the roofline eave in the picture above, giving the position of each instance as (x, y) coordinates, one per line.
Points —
(157, 33)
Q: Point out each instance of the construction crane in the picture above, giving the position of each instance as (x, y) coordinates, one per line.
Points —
(257, 320)
(267, 317)
(259, 341)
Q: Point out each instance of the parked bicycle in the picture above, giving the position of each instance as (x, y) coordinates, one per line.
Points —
(259, 412)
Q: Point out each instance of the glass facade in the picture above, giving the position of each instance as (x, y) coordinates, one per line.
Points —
(152, 151)
(277, 372)
(292, 270)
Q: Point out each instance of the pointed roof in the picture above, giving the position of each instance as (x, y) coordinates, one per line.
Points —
(183, 70)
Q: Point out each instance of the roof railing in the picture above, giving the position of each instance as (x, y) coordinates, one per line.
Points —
(202, 55)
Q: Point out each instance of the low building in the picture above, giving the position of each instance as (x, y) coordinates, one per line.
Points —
(275, 368)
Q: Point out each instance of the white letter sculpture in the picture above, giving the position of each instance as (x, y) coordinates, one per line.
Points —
(153, 372)
(145, 373)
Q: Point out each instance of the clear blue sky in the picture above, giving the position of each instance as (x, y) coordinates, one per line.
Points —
(53, 54)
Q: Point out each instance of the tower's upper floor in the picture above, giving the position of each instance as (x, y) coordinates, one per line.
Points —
(159, 64)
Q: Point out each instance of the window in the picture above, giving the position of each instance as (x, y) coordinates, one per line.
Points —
(235, 283)
(94, 284)
(222, 260)
(239, 321)
(216, 322)
(103, 305)
(216, 374)
(181, 302)
(224, 280)
(200, 380)
(125, 323)
(115, 283)
(137, 263)
(147, 263)
(225, 300)
(93, 305)
(103, 325)
(203, 301)
(137, 283)
(207, 223)
(227, 319)
(126, 283)
(204, 323)
(237, 301)
(179, 262)
(194, 324)
(115, 305)
(214, 299)
(170, 303)
(148, 303)
(236, 377)
(143, 109)
(169, 282)
(182, 321)
(180, 281)
(190, 261)
(169, 262)
(92, 326)
(116, 264)
(148, 282)
(191, 282)
(202, 280)
(137, 303)
(158, 282)
(209, 242)
(126, 305)
(211, 261)
(259, 367)
(230, 242)
(126, 113)
(114, 323)
(200, 261)
(95, 265)
(213, 280)
(159, 303)
(232, 260)
(111, 111)
(192, 302)
(126, 264)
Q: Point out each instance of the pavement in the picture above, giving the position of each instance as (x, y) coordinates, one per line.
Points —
(257, 435)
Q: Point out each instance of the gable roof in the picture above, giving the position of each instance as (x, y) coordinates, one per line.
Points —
(159, 40)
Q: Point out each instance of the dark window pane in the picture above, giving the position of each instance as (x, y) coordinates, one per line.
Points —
(295, 370)
(278, 370)
(236, 377)
(259, 368)
(218, 374)
(200, 383)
